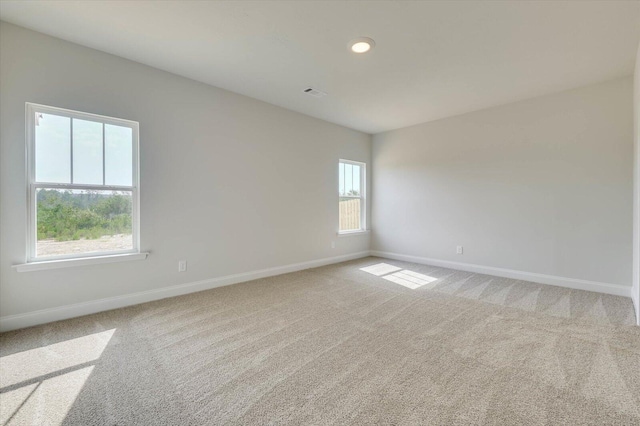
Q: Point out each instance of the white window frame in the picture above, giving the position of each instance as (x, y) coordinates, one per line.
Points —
(362, 197)
(33, 185)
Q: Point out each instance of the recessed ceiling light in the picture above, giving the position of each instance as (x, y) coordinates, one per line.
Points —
(361, 45)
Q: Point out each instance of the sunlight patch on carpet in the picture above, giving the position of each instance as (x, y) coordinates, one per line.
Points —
(39, 386)
(410, 279)
(27, 365)
(380, 269)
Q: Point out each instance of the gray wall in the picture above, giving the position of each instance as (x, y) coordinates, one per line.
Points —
(227, 182)
(543, 186)
(636, 188)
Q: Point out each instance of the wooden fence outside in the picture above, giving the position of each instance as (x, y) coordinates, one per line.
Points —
(349, 214)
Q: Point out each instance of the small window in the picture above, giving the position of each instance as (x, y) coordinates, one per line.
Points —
(83, 184)
(351, 190)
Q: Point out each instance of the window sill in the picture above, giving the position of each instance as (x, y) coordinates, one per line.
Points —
(353, 233)
(68, 263)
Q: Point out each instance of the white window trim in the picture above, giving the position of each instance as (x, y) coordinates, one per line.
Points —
(363, 200)
(32, 186)
(78, 261)
(355, 233)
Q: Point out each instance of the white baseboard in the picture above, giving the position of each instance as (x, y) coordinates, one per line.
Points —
(617, 290)
(636, 303)
(14, 322)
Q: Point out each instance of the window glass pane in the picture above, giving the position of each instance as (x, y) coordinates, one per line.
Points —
(356, 180)
(348, 179)
(53, 148)
(87, 152)
(118, 155)
(75, 221)
(341, 179)
(349, 214)
(79, 221)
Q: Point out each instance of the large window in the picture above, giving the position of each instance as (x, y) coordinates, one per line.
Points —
(83, 184)
(351, 190)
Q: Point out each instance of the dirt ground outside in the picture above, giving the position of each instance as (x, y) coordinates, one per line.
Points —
(102, 244)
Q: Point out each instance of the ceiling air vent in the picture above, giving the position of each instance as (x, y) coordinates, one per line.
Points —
(314, 92)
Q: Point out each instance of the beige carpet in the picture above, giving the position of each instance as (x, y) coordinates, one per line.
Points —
(371, 341)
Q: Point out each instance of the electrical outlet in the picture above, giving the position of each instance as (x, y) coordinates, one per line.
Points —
(459, 250)
(182, 265)
(333, 244)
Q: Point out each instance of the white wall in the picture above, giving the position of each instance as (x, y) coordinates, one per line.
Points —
(636, 188)
(541, 186)
(227, 182)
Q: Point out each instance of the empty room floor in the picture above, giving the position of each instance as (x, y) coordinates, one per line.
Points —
(371, 341)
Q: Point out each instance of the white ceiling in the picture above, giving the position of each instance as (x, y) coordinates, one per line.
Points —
(432, 59)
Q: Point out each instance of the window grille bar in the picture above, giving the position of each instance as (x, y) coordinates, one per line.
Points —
(71, 146)
(104, 160)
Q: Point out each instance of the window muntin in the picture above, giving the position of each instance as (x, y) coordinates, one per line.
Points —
(351, 192)
(83, 184)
